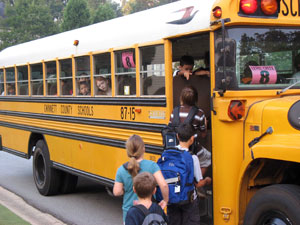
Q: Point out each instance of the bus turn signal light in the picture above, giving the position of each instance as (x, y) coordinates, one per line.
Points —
(269, 7)
(217, 12)
(236, 109)
(248, 6)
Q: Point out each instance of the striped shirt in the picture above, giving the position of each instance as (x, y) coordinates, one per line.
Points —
(199, 121)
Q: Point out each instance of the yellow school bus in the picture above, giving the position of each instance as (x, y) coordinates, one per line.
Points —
(71, 100)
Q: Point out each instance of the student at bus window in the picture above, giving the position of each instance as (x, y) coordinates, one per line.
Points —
(84, 88)
(135, 148)
(103, 87)
(83, 77)
(11, 89)
(296, 76)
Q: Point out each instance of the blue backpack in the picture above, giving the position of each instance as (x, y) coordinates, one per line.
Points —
(177, 168)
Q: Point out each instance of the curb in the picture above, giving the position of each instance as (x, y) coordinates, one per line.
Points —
(28, 213)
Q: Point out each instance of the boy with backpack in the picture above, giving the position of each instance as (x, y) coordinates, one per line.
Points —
(145, 212)
(182, 173)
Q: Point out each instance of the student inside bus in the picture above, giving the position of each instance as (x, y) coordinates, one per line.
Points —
(84, 88)
(103, 87)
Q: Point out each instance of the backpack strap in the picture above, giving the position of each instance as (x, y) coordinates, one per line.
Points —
(176, 118)
(142, 208)
(125, 165)
(193, 111)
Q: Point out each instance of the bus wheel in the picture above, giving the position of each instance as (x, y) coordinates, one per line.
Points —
(274, 205)
(69, 182)
(46, 178)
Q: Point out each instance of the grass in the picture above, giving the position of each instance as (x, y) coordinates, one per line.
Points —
(7, 217)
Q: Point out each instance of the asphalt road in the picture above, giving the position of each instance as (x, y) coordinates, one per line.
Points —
(88, 205)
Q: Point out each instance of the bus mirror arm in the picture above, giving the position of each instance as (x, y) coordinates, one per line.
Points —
(257, 139)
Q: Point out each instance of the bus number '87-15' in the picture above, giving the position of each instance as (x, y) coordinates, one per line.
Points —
(127, 113)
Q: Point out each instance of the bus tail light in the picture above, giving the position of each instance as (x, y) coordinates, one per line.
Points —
(217, 12)
(248, 6)
(236, 109)
(269, 7)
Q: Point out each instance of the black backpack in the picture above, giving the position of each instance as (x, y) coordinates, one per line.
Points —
(151, 218)
(169, 132)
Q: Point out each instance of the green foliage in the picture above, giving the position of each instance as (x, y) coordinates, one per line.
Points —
(76, 15)
(133, 6)
(104, 12)
(56, 8)
(26, 20)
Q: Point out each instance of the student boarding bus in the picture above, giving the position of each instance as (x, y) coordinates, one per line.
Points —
(251, 97)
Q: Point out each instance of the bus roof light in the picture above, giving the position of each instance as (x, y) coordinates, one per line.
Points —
(76, 42)
(248, 6)
(217, 12)
(269, 7)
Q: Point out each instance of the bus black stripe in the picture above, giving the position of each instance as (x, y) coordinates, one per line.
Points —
(89, 121)
(87, 138)
(127, 101)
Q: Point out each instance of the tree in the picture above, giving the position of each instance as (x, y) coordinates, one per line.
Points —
(76, 15)
(104, 12)
(133, 6)
(56, 8)
(26, 20)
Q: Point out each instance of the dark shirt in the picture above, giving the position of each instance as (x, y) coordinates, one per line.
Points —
(135, 216)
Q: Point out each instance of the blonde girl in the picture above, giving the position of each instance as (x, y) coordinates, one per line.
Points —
(123, 184)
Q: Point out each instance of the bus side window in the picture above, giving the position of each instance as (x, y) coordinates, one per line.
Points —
(83, 75)
(1, 82)
(125, 72)
(66, 84)
(22, 80)
(102, 74)
(152, 74)
(10, 81)
(51, 78)
(37, 79)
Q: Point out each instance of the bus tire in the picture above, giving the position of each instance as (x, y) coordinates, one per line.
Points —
(275, 204)
(46, 178)
(69, 182)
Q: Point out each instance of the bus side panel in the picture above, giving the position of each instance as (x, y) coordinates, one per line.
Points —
(15, 139)
(101, 160)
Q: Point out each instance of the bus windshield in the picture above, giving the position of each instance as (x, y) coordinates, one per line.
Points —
(264, 58)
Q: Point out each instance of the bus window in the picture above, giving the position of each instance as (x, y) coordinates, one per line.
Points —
(22, 80)
(125, 72)
(37, 79)
(152, 70)
(83, 77)
(1, 82)
(51, 79)
(10, 81)
(102, 74)
(66, 85)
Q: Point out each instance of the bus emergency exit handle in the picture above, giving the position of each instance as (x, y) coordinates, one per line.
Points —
(257, 139)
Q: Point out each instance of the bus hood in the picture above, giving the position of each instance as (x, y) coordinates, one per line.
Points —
(281, 114)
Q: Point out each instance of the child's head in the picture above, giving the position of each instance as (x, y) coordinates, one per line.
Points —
(102, 84)
(135, 149)
(189, 96)
(185, 132)
(186, 63)
(144, 185)
(83, 88)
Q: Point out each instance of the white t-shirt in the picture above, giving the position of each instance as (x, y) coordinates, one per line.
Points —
(197, 171)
